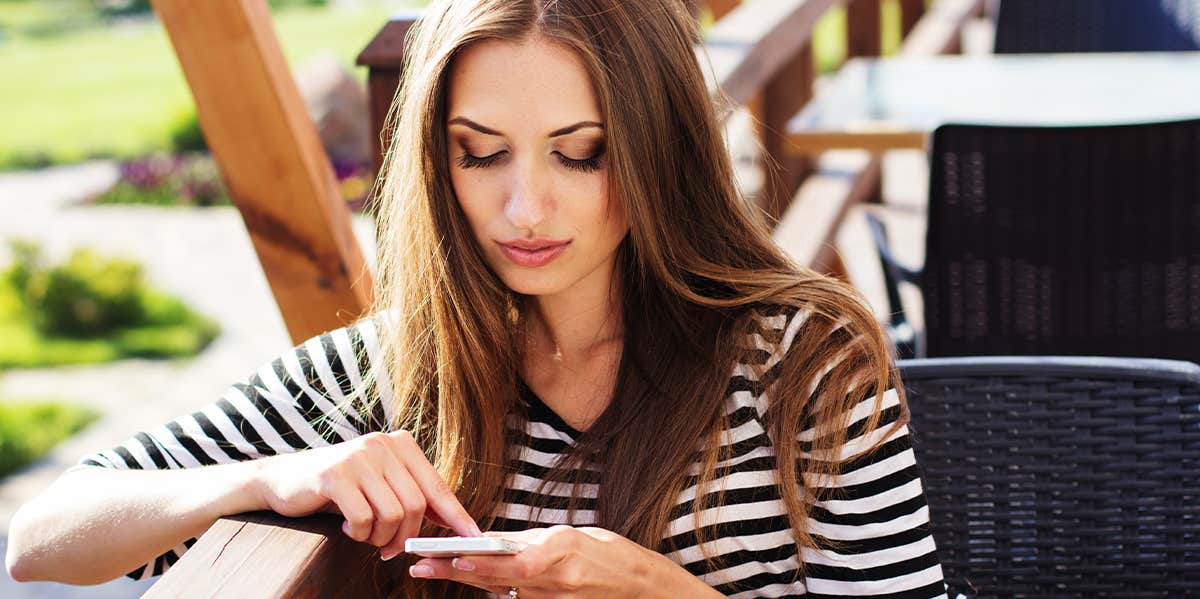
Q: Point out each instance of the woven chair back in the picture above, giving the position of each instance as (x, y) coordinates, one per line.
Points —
(1030, 26)
(1061, 477)
(1064, 241)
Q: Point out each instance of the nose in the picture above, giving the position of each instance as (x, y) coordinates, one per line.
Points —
(528, 202)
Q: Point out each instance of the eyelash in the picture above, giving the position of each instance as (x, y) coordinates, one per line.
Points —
(586, 165)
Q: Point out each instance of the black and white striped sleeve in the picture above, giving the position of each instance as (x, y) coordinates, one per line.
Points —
(871, 518)
(304, 398)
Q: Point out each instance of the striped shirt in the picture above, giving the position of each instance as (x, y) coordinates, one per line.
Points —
(877, 517)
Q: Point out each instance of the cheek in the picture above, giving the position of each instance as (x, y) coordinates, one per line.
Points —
(472, 198)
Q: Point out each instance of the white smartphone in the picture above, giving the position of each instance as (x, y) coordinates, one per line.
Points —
(456, 546)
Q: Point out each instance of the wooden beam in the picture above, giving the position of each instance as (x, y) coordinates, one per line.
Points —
(262, 554)
(751, 44)
(815, 142)
(940, 30)
(785, 94)
(271, 159)
(863, 32)
(808, 228)
(911, 12)
(384, 57)
(720, 8)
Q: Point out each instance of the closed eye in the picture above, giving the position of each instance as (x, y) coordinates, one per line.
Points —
(584, 165)
(466, 160)
(591, 164)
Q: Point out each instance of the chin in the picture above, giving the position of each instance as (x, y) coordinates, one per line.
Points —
(533, 285)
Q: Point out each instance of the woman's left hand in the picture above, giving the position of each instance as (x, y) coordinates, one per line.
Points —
(561, 561)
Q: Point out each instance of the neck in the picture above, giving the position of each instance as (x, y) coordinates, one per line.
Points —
(575, 324)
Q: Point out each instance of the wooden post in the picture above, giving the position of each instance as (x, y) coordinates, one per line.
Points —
(862, 28)
(384, 57)
(911, 12)
(721, 8)
(786, 92)
(864, 38)
(271, 159)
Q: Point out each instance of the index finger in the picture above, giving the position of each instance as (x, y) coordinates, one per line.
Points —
(438, 495)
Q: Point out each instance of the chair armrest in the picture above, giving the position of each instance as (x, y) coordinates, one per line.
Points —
(894, 273)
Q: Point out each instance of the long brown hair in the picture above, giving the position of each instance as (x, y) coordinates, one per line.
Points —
(696, 270)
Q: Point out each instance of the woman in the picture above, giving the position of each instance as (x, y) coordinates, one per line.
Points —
(579, 322)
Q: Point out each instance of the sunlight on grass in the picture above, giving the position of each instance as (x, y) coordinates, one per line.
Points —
(116, 90)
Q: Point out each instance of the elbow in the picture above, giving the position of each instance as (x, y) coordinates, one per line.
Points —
(25, 558)
(17, 560)
(18, 570)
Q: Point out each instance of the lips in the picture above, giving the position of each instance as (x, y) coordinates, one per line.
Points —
(532, 253)
(536, 243)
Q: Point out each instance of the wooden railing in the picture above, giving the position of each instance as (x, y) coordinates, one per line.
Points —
(267, 149)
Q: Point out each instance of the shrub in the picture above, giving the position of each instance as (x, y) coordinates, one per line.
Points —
(186, 135)
(87, 296)
(90, 309)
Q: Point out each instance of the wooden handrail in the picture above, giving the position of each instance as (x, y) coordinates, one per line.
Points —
(271, 159)
(754, 42)
(940, 31)
(263, 554)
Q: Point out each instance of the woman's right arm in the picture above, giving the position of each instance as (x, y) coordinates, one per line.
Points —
(95, 524)
(283, 440)
(381, 483)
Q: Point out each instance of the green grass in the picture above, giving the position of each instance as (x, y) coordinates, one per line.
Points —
(117, 90)
(28, 429)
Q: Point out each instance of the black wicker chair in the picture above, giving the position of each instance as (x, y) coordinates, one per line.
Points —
(1097, 26)
(1061, 477)
(1060, 241)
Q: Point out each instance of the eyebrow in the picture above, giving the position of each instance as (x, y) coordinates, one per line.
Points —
(461, 120)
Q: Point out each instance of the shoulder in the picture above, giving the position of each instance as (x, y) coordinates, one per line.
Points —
(356, 345)
(823, 366)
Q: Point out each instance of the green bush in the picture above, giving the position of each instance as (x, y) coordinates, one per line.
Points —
(90, 309)
(186, 135)
(85, 297)
(30, 429)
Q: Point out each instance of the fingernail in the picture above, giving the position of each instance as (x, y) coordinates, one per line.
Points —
(475, 529)
(462, 564)
(346, 527)
(420, 571)
(387, 555)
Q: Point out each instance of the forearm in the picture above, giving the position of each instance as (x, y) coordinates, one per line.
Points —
(95, 524)
(663, 578)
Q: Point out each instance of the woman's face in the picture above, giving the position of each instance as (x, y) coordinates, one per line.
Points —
(527, 162)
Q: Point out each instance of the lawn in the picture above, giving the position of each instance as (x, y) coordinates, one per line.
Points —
(116, 90)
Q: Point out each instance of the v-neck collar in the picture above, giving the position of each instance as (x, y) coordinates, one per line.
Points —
(539, 411)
